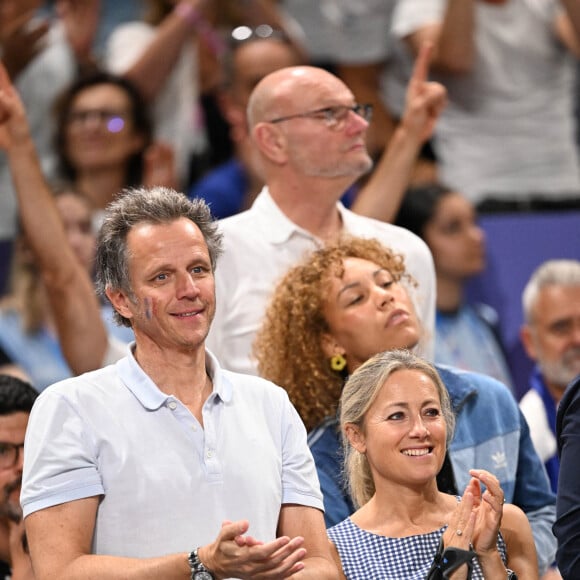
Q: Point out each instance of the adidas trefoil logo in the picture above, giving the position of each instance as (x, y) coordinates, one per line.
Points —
(499, 459)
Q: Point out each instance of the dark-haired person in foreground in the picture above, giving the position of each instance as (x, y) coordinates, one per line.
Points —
(16, 400)
(567, 526)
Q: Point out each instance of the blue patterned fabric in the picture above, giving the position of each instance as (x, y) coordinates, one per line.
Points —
(367, 556)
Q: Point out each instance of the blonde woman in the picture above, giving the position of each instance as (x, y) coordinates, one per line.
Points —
(397, 422)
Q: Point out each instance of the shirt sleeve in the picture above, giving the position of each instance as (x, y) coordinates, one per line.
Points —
(60, 460)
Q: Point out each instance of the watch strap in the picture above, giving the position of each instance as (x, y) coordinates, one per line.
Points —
(198, 570)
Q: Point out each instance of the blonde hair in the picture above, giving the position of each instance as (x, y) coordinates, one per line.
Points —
(289, 345)
(360, 392)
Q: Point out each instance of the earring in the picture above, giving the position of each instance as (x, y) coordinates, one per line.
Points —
(337, 362)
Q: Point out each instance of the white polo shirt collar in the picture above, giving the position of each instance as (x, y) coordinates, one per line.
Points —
(151, 397)
(276, 227)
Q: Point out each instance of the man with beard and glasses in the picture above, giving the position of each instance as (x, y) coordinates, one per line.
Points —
(16, 399)
(551, 337)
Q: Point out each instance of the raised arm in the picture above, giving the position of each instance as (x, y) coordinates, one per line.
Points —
(381, 196)
(151, 69)
(568, 26)
(452, 38)
(80, 19)
(71, 293)
(491, 516)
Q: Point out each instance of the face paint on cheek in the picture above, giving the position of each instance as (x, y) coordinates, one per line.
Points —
(148, 309)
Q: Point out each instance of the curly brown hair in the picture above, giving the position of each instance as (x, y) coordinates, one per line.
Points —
(288, 347)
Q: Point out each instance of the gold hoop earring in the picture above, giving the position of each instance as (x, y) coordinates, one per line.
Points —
(337, 362)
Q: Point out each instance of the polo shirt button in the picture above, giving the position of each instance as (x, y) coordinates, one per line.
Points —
(210, 454)
(172, 405)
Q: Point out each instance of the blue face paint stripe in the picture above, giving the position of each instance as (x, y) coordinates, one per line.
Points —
(148, 312)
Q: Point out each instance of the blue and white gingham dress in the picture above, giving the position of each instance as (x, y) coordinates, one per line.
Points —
(368, 556)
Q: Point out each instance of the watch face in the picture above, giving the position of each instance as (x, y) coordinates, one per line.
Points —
(203, 575)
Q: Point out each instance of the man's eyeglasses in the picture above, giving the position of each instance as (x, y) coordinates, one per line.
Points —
(114, 120)
(334, 117)
(9, 453)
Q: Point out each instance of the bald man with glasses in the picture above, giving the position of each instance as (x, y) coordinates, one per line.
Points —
(309, 134)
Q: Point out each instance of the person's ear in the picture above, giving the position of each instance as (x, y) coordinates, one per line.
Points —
(355, 437)
(120, 302)
(271, 142)
(527, 338)
(330, 346)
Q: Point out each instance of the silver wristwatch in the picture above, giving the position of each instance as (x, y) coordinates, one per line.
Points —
(198, 570)
(511, 575)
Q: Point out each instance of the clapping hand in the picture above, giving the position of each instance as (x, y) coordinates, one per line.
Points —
(236, 554)
(488, 509)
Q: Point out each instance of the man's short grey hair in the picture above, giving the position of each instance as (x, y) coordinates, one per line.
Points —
(134, 206)
(551, 273)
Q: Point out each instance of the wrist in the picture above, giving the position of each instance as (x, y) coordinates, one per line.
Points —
(198, 569)
(21, 146)
(195, 19)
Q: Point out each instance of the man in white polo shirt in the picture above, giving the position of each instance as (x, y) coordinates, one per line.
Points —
(159, 465)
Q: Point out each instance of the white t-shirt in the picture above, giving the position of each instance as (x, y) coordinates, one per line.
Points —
(344, 31)
(509, 128)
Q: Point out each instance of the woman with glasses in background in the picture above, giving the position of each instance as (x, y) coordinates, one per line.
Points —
(103, 132)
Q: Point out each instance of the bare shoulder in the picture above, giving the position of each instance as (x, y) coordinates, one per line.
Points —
(513, 516)
(337, 562)
(514, 523)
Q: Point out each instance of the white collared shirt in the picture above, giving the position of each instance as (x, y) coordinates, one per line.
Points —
(261, 244)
